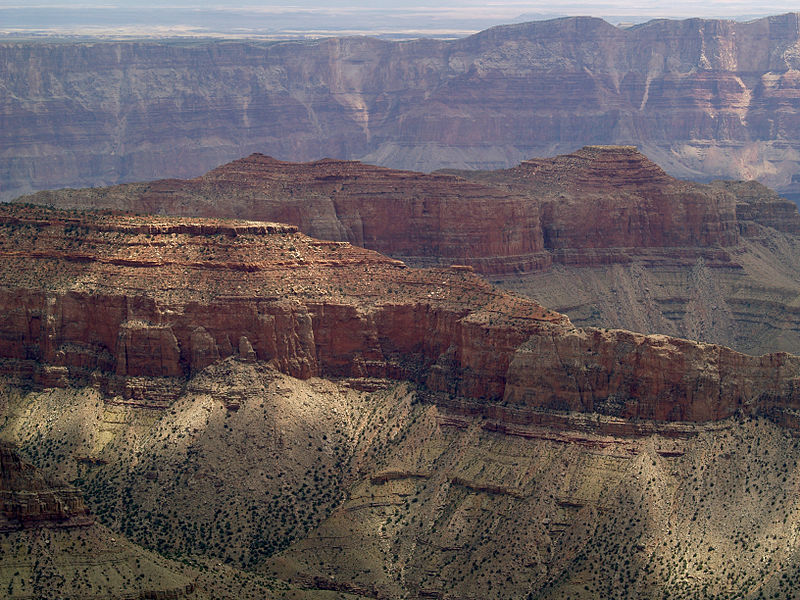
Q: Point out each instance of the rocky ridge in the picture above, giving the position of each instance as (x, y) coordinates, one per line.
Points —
(598, 205)
(134, 309)
(705, 98)
(148, 358)
(603, 233)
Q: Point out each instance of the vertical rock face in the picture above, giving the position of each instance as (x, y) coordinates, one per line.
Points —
(758, 204)
(629, 375)
(599, 204)
(602, 233)
(145, 349)
(705, 98)
(135, 304)
(615, 197)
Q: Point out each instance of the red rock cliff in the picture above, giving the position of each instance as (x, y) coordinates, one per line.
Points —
(136, 304)
(597, 205)
(425, 219)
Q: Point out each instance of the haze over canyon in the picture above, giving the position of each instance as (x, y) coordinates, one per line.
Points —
(703, 98)
(549, 359)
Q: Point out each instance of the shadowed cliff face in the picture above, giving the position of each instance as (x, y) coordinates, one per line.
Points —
(703, 98)
(27, 499)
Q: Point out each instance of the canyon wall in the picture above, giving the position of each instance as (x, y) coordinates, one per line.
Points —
(602, 233)
(600, 204)
(135, 305)
(704, 98)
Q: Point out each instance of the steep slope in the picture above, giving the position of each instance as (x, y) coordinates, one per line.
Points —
(52, 547)
(705, 98)
(458, 511)
(602, 234)
(636, 249)
(432, 504)
(595, 206)
(336, 423)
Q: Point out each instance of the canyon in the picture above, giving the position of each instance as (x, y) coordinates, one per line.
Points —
(703, 98)
(602, 234)
(135, 304)
(299, 418)
(499, 375)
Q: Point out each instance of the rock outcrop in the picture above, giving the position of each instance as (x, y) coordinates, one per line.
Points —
(705, 98)
(603, 233)
(606, 203)
(599, 205)
(52, 547)
(423, 219)
(96, 298)
(659, 378)
(28, 499)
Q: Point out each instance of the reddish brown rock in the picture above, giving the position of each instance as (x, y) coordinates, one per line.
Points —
(614, 197)
(758, 204)
(598, 205)
(136, 312)
(145, 349)
(425, 219)
(116, 305)
(634, 376)
(204, 349)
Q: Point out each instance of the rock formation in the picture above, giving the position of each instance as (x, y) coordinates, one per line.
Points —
(53, 548)
(603, 233)
(497, 449)
(425, 219)
(705, 98)
(133, 305)
(27, 499)
(597, 205)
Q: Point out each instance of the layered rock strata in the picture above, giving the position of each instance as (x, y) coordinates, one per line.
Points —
(599, 205)
(423, 219)
(28, 499)
(136, 304)
(602, 234)
(53, 548)
(706, 98)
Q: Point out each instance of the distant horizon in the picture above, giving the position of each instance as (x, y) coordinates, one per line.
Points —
(306, 19)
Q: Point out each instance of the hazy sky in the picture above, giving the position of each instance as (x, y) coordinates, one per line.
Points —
(496, 7)
(289, 17)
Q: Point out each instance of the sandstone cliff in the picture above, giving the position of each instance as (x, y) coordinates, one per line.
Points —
(705, 98)
(133, 306)
(424, 219)
(141, 358)
(597, 205)
(603, 233)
